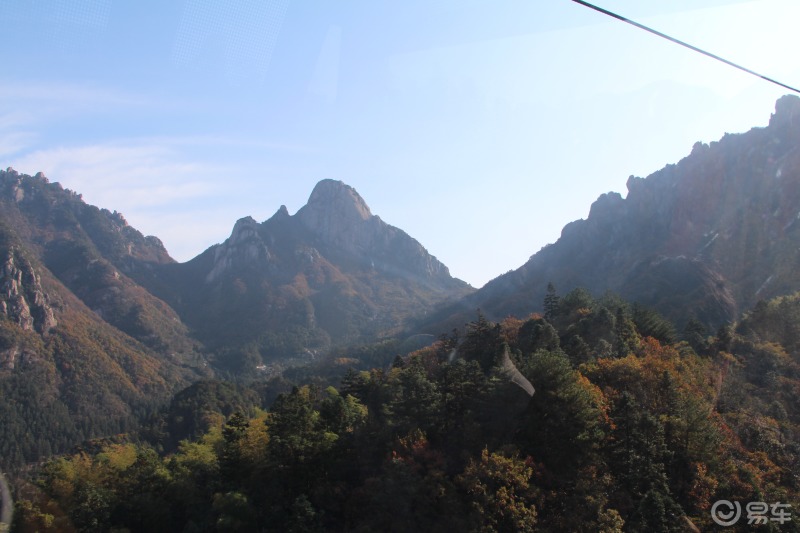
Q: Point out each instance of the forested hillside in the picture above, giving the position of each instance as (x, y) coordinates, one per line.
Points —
(632, 427)
(84, 351)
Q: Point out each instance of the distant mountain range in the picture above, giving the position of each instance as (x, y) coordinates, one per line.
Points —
(98, 323)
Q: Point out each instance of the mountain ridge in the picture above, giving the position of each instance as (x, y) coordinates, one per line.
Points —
(711, 234)
(333, 272)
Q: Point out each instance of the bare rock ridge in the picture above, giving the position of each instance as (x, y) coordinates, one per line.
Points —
(705, 238)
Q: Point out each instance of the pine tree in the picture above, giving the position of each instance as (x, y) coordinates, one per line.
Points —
(551, 303)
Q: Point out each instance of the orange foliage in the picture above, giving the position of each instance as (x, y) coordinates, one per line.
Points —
(509, 329)
(643, 375)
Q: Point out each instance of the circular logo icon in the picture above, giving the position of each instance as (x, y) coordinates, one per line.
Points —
(726, 513)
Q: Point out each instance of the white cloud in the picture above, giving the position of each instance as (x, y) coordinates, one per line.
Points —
(15, 134)
(186, 189)
(117, 174)
(153, 185)
(28, 110)
(13, 143)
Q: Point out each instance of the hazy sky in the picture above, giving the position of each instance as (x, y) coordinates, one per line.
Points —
(480, 128)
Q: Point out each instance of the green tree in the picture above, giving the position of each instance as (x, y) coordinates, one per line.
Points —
(232, 466)
(295, 430)
(537, 334)
(91, 508)
(234, 513)
(416, 403)
(341, 414)
(551, 303)
(463, 387)
(562, 424)
(637, 456)
(650, 323)
(626, 338)
(482, 342)
(695, 334)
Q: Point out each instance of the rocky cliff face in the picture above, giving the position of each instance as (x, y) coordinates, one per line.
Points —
(243, 248)
(22, 299)
(336, 214)
(705, 238)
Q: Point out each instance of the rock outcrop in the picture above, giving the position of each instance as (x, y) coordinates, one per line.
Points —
(243, 247)
(22, 299)
(337, 214)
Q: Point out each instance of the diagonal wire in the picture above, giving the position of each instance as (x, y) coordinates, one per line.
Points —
(687, 45)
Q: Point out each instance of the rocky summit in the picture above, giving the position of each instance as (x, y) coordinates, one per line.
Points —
(343, 223)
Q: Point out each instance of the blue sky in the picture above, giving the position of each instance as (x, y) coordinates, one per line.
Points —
(480, 128)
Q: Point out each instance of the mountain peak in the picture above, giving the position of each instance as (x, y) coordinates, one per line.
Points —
(244, 229)
(337, 197)
(334, 209)
(786, 108)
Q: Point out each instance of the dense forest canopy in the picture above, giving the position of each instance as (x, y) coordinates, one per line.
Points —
(632, 427)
